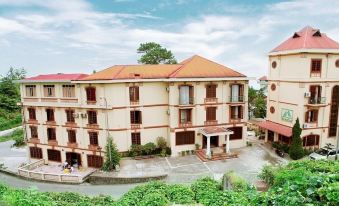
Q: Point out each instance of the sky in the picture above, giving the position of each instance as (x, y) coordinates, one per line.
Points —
(68, 36)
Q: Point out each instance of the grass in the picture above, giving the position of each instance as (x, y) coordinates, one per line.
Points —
(8, 123)
(17, 136)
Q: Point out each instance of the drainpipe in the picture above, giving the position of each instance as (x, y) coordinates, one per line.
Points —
(107, 132)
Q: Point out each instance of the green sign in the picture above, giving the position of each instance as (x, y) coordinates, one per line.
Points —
(287, 115)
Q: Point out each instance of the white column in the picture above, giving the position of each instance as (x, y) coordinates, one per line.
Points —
(227, 143)
(208, 148)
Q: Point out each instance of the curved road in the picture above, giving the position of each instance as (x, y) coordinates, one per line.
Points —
(115, 191)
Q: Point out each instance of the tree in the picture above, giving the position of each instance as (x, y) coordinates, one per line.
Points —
(296, 150)
(10, 92)
(154, 53)
(256, 103)
(112, 155)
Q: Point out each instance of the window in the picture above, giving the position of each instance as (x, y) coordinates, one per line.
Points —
(337, 63)
(69, 115)
(311, 116)
(311, 140)
(182, 138)
(54, 155)
(315, 91)
(211, 113)
(211, 91)
(237, 133)
(34, 131)
(283, 139)
(334, 112)
(72, 136)
(272, 110)
(35, 152)
(92, 117)
(237, 93)
(30, 90)
(316, 66)
(136, 138)
(136, 117)
(31, 114)
(68, 91)
(93, 138)
(236, 112)
(273, 87)
(49, 91)
(185, 115)
(274, 64)
(51, 134)
(185, 95)
(94, 161)
(134, 94)
(90, 93)
(50, 115)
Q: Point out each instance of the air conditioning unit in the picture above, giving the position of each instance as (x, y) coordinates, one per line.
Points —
(305, 126)
(83, 115)
(307, 94)
(75, 115)
(167, 89)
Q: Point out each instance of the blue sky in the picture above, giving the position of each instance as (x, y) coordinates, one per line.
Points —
(82, 36)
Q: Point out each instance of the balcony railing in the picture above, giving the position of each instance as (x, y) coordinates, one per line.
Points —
(317, 100)
(185, 101)
(236, 117)
(236, 98)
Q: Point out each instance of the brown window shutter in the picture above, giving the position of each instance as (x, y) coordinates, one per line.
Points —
(306, 116)
(191, 94)
(315, 115)
(136, 93)
(140, 117)
(241, 90)
(241, 112)
(132, 117)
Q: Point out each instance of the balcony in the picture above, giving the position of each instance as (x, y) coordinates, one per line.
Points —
(135, 125)
(210, 122)
(317, 100)
(34, 140)
(52, 142)
(211, 100)
(72, 145)
(186, 101)
(236, 99)
(235, 118)
(185, 124)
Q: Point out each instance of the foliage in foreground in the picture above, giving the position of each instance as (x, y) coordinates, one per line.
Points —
(299, 183)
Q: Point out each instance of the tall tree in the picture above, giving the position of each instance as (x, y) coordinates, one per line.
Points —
(154, 53)
(112, 155)
(9, 91)
(256, 103)
(296, 149)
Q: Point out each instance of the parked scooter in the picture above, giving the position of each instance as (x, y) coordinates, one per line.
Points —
(279, 152)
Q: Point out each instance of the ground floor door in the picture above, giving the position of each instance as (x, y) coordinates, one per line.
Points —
(95, 161)
(214, 141)
(73, 158)
(270, 136)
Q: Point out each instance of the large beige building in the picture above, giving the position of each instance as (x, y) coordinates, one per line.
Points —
(69, 116)
(303, 81)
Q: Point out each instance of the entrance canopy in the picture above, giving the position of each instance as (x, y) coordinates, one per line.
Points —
(275, 127)
(214, 131)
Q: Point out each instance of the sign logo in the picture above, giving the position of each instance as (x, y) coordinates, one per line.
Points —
(287, 115)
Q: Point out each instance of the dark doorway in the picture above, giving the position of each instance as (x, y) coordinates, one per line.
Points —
(73, 159)
(214, 141)
(334, 112)
(270, 136)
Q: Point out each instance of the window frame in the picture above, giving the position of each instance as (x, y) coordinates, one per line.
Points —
(93, 138)
(51, 153)
(315, 63)
(211, 91)
(49, 90)
(31, 113)
(35, 152)
(68, 90)
(34, 132)
(211, 113)
(185, 138)
(51, 134)
(189, 116)
(30, 90)
(135, 138)
(69, 115)
(72, 136)
(134, 95)
(92, 117)
(311, 118)
(91, 94)
(135, 119)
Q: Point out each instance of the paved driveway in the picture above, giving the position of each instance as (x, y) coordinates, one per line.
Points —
(12, 157)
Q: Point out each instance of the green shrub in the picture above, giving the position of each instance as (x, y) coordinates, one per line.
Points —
(168, 151)
(18, 137)
(180, 194)
(154, 199)
(276, 145)
(267, 174)
(203, 189)
(237, 183)
(296, 150)
(161, 143)
(285, 148)
(148, 148)
(135, 150)
(112, 155)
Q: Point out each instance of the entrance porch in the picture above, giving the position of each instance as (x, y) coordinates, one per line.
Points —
(215, 144)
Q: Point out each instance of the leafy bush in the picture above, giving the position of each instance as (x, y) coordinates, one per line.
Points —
(154, 199)
(180, 194)
(237, 183)
(148, 148)
(267, 174)
(18, 137)
(135, 150)
(204, 189)
(161, 143)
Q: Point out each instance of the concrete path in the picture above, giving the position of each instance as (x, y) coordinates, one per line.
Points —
(12, 157)
(9, 131)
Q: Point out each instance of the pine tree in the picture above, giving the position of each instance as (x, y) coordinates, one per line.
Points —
(296, 150)
(112, 155)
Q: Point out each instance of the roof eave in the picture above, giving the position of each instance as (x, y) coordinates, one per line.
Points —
(43, 81)
(297, 51)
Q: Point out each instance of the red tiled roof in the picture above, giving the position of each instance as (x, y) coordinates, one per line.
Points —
(194, 67)
(278, 128)
(307, 38)
(56, 77)
(214, 130)
(263, 78)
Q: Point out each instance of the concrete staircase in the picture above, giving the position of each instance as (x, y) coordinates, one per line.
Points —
(216, 156)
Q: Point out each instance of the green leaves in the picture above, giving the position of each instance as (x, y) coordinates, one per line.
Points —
(154, 53)
(112, 155)
(296, 150)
